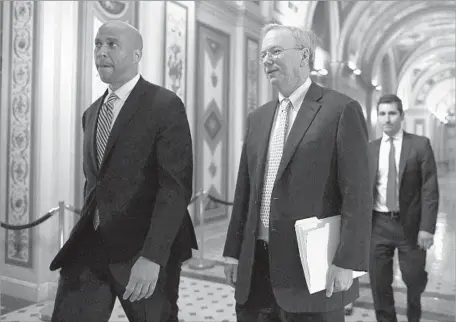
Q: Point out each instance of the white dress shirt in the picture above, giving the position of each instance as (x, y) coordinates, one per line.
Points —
(296, 98)
(381, 179)
(122, 94)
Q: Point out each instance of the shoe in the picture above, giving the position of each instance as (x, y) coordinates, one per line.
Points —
(349, 309)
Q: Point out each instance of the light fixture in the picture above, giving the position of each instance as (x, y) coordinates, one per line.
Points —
(319, 72)
(323, 72)
(351, 65)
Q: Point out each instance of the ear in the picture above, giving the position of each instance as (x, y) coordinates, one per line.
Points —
(137, 54)
(305, 57)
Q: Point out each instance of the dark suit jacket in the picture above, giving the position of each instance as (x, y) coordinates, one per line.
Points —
(144, 184)
(418, 186)
(324, 172)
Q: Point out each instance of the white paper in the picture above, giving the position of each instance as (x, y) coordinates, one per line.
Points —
(317, 242)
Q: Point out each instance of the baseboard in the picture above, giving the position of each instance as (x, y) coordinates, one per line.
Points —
(32, 292)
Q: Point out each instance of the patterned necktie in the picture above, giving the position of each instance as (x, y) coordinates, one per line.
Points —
(391, 187)
(104, 125)
(103, 129)
(274, 157)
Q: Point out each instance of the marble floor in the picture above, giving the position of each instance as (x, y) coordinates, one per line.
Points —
(205, 297)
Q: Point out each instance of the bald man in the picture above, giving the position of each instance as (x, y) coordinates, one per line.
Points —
(135, 231)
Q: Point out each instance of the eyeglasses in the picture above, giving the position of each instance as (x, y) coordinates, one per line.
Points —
(276, 52)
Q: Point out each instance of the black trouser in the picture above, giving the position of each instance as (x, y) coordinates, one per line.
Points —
(87, 289)
(173, 271)
(387, 235)
(261, 305)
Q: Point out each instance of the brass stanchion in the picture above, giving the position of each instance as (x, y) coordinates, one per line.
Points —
(201, 263)
(61, 224)
(46, 312)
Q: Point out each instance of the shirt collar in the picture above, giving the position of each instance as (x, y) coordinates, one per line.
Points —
(125, 90)
(297, 97)
(398, 136)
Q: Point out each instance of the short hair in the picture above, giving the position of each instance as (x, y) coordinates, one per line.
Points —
(391, 98)
(304, 38)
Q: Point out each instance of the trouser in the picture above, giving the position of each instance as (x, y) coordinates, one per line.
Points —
(261, 305)
(388, 235)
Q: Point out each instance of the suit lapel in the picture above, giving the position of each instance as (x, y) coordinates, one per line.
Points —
(263, 136)
(130, 107)
(306, 114)
(406, 145)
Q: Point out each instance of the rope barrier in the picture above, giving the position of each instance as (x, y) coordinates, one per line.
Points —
(71, 208)
(54, 210)
(223, 202)
(31, 224)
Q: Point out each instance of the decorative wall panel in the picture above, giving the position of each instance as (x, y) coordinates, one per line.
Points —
(212, 85)
(115, 10)
(252, 74)
(175, 74)
(18, 242)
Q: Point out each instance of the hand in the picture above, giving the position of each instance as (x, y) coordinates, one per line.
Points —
(231, 273)
(143, 279)
(338, 279)
(425, 240)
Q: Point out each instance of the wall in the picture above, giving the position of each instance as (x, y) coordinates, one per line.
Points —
(40, 101)
(416, 121)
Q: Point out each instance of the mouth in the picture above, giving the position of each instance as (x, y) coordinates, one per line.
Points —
(103, 66)
(269, 72)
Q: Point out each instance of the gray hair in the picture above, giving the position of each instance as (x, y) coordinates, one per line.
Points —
(304, 38)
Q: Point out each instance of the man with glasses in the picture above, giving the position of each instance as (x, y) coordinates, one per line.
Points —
(305, 154)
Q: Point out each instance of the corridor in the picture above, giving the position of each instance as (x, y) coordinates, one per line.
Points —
(211, 54)
(204, 296)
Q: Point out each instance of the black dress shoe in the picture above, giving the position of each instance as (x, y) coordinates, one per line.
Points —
(349, 309)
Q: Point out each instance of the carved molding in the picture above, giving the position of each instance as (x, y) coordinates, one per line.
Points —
(18, 244)
(230, 11)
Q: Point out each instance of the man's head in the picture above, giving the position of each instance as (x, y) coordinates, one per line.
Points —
(390, 114)
(118, 50)
(288, 54)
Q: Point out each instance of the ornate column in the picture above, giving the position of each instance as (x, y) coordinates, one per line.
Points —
(18, 116)
(41, 134)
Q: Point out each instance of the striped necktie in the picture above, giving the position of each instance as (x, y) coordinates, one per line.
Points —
(274, 158)
(103, 129)
(104, 126)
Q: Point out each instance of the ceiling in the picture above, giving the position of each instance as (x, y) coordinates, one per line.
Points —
(420, 34)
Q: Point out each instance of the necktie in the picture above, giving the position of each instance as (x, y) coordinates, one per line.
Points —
(391, 187)
(103, 129)
(104, 125)
(274, 157)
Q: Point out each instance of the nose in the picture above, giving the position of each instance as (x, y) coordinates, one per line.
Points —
(101, 54)
(267, 59)
(101, 51)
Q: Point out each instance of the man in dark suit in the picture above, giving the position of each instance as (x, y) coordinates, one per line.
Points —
(305, 154)
(406, 202)
(135, 230)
